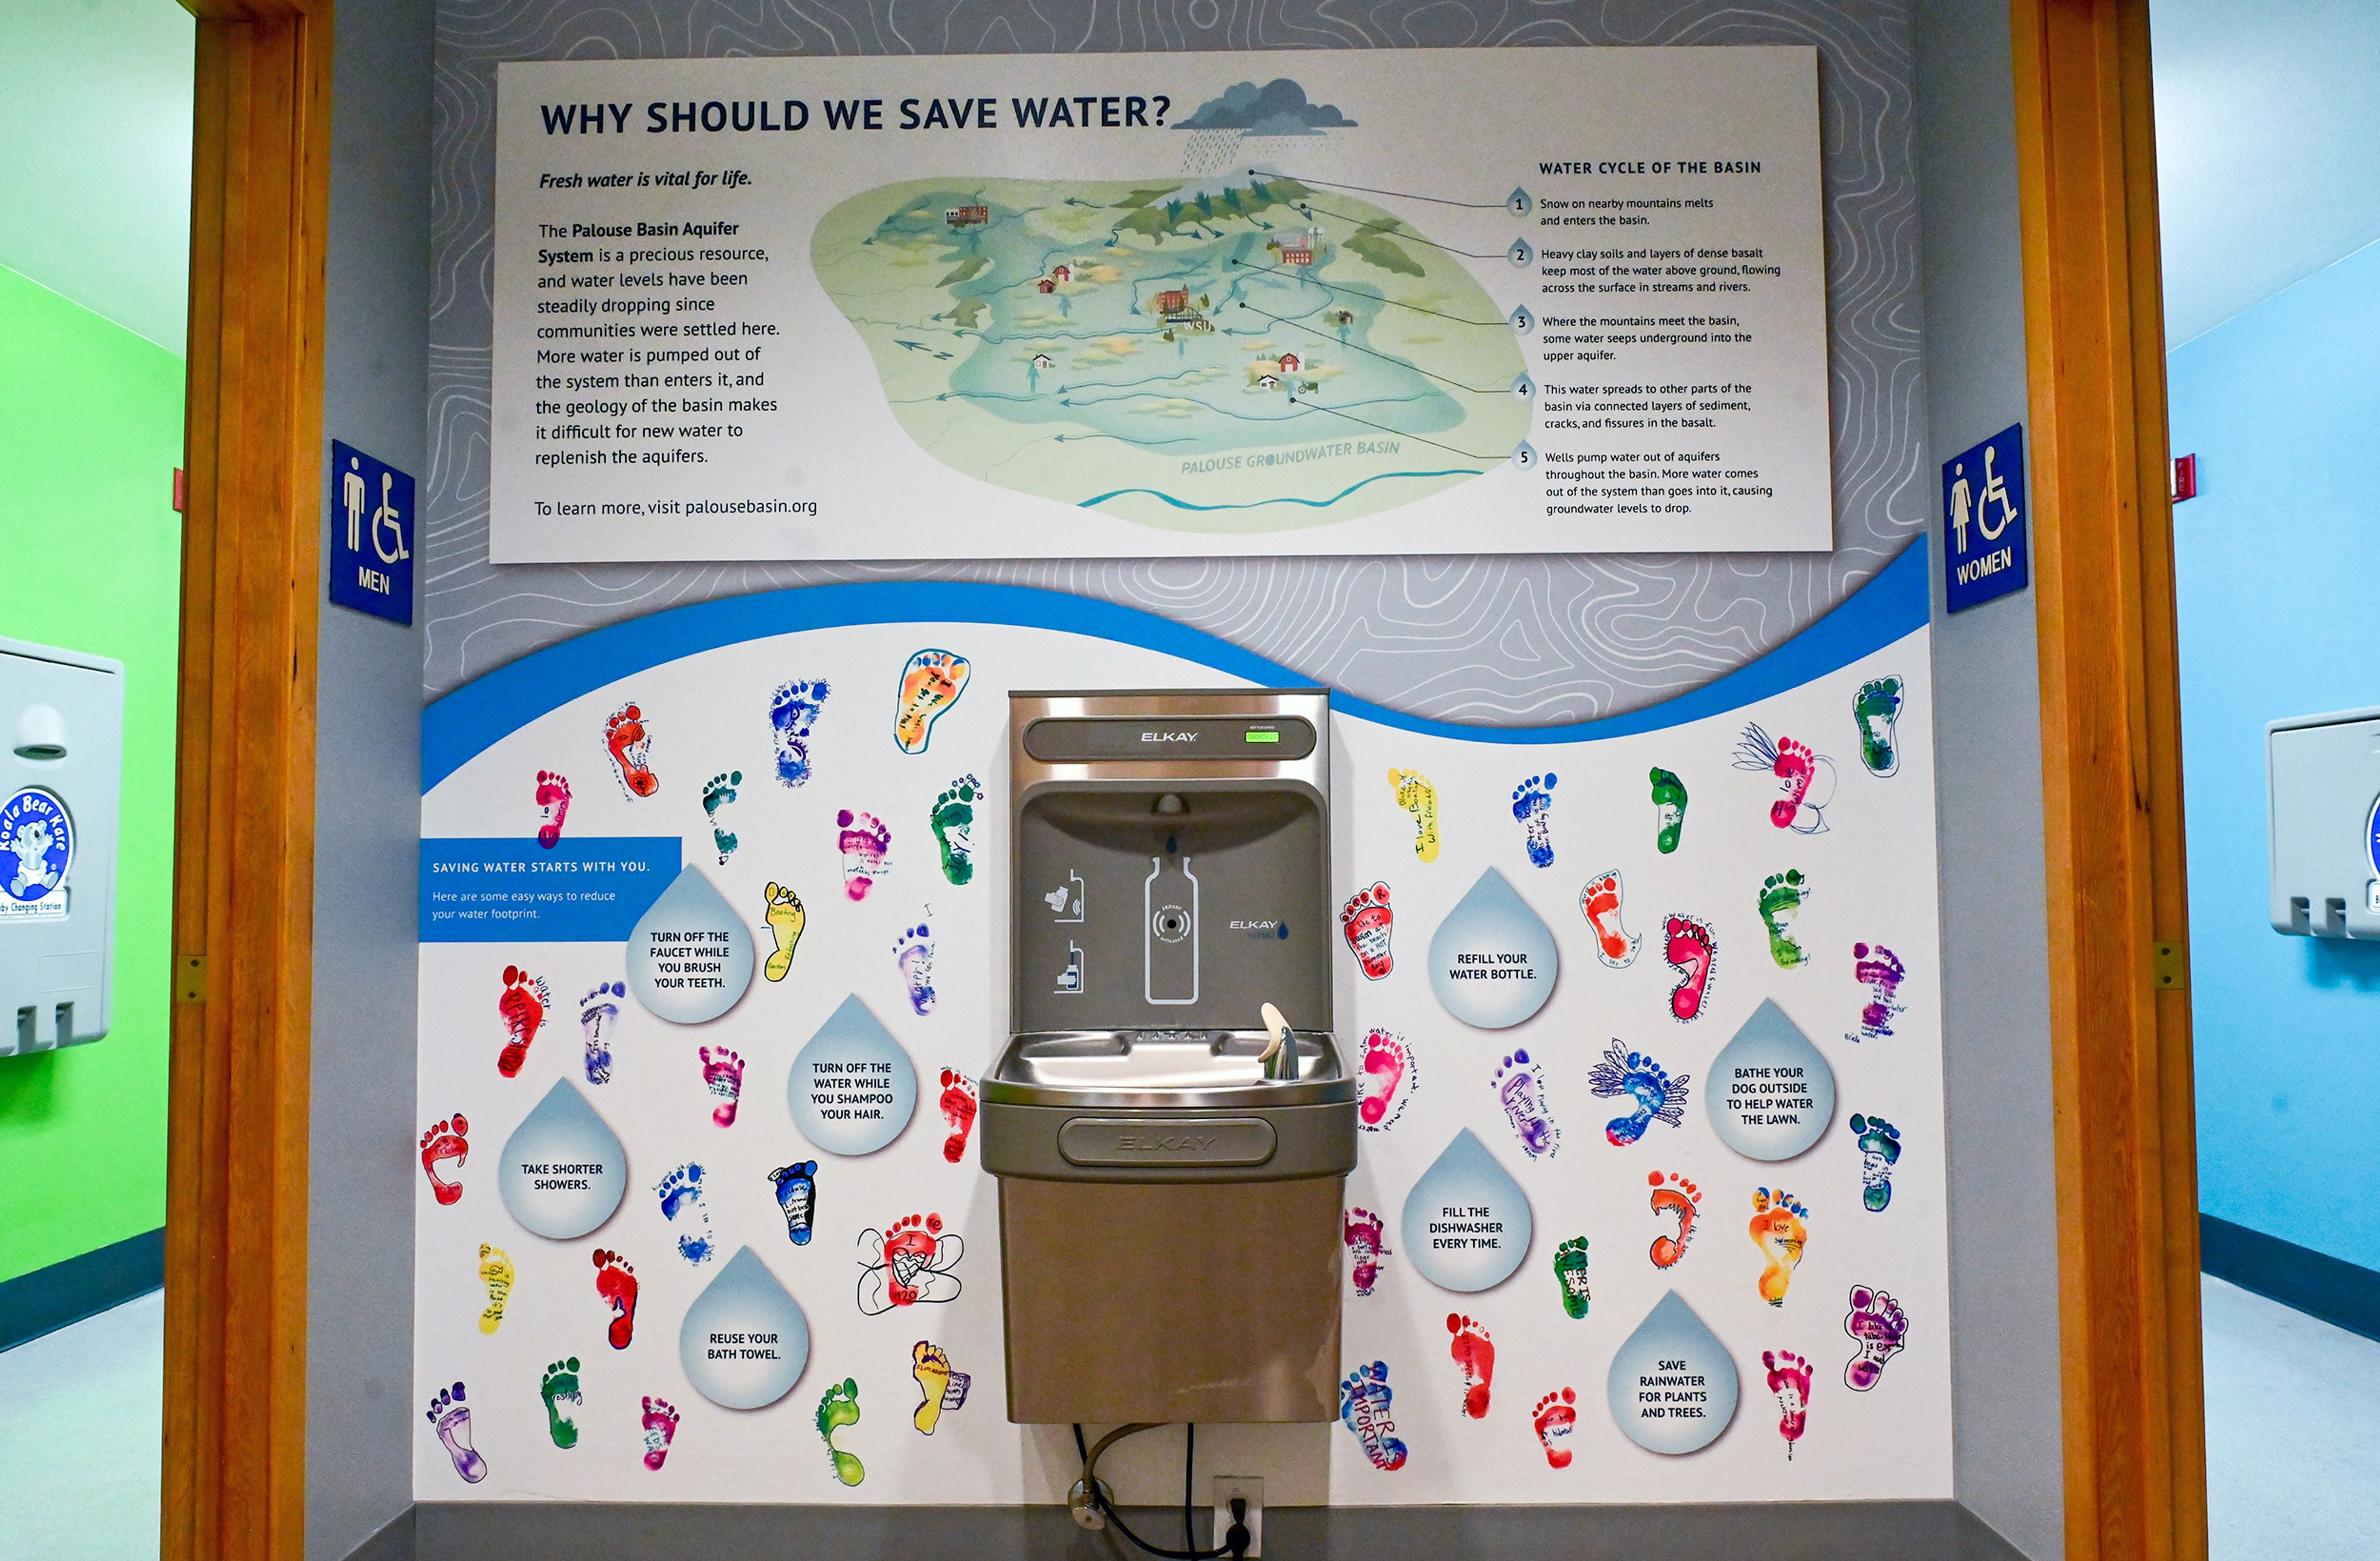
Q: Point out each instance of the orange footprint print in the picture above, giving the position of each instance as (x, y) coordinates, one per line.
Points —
(630, 745)
(1778, 1230)
(1673, 1194)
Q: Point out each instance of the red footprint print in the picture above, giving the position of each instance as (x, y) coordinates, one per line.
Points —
(958, 1110)
(617, 1283)
(522, 1007)
(1368, 922)
(444, 1141)
(1477, 1357)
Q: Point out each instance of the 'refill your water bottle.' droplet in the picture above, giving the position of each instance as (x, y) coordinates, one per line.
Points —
(745, 1340)
(690, 955)
(1672, 1386)
(853, 1088)
(1492, 962)
(1770, 1093)
(564, 1171)
(1466, 1222)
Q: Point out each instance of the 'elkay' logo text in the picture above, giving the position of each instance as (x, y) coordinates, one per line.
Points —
(1168, 736)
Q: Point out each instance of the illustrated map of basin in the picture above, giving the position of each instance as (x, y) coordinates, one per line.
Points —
(1214, 355)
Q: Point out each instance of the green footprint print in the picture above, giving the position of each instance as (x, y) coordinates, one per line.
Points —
(1668, 809)
(1781, 897)
(561, 1386)
(838, 1408)
(1570, 1271)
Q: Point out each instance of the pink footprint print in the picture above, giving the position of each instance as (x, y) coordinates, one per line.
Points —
(958, 1110)
(661, 1427)
(1367, 921)
(1366, 1235)
(1693, 950)
(864, 841)
(723, 1075)
(1387, 1064)
(553, 805)
(1477, 1357)
(1788, 1378)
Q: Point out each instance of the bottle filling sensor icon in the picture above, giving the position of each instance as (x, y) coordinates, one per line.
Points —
(1171, 1122)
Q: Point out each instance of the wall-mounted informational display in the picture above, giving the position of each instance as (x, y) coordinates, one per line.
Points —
(1411, 301)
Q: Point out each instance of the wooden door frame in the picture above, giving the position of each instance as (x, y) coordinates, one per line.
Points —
(235, 1398)
(2133, 1400)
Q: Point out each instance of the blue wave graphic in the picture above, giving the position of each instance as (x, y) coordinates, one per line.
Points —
(1310, 504)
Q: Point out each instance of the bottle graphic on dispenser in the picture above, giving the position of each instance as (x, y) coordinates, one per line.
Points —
(1170, 931)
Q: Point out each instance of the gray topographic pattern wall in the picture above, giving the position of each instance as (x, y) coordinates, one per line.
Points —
(1492, 641)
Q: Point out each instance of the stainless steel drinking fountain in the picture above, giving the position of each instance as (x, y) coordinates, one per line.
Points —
(1170, 1174)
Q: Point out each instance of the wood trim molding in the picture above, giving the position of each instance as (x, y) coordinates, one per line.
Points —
(2133, 1406)
(234, 1462)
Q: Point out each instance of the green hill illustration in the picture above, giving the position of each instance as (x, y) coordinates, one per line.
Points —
(1203, 356)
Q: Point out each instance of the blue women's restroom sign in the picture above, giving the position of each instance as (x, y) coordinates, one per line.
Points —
(1984, 521)
(371, 535)
(36, 853)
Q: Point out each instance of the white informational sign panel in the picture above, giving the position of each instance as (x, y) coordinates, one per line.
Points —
(1492, 300)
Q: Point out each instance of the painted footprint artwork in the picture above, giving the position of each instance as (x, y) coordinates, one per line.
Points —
(1365, 1234)
(522, 1005)
(1599, 902)
(1634, 1076)
(1418, 797)
(1475, 1358)
(1788, 1378)
(1778, 1230)
(442, 1141)
(453, 1420)
(1368, 922)
(722, 1077)
(599, 1015)
(913, 951)
(1804, 778)
(1692, 950)
(1880, 971)
(496, 1274)
(1532, 807)
(1875, 711)
(630, 744)
(717, 796)
(1669, 809)
(1782, 895)
(680, 1198)
(1569, 1273)
(796, 1187)
(1363, 1398)
(952, 823)
(943, 1388)
(931, 684)
(838, 1408)
(1673, 1194)
(1387, 1082)
(553, 806)
(1876, 1322)
(1554, 1419)
(864, 842)
(561, 1387)
(782, 910)
(1879, 1147)
(659, 1422)
(908, 1265)
(794, 710)
(1521, 1089)
(958, 1105)
(615, 1287)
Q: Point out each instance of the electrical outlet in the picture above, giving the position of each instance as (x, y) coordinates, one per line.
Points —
(1251, 1487)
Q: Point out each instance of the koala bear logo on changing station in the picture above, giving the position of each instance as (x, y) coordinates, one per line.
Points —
(38, 840)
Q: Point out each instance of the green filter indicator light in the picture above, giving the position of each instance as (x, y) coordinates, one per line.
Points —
(1263, 737)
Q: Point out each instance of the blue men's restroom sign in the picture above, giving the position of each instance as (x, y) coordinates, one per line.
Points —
(36, 853)
(1984, 521)
(371, 535)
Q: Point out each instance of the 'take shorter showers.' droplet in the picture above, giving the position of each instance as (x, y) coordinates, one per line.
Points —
(564, 1171)
(1492, 962)
(690, 955)
(1466, 1222)
(744, 1341)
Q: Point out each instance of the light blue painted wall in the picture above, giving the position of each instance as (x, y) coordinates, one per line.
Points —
(2278, 562)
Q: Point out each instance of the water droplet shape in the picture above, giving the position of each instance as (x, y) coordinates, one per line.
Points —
(1525, 456)
(1518, 202)
(1520, 253)
(1466, 1222)
(1522, 320)
(1770, 1092)
(1492, 962)
(1672, 1386)
(853, 1088)
(690, 955)
(563, 1170)
(1524, 388)
(744, 1341)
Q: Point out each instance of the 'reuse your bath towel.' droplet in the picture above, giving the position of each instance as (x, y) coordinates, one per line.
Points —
(852, 1087)
(1672, 1386)
(1467, 1221)
(745, 1340)
(690, 955)
(1492, 962)
(1770, 1093)
(564, 1171)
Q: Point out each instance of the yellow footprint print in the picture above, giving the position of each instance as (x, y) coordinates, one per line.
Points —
(1417, 796)
(497, 1270)
(786, 920)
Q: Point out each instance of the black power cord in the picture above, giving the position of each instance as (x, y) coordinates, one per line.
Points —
(1235, 1540)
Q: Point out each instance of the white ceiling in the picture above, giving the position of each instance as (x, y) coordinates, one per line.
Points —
(2266, 120)
(95, 186)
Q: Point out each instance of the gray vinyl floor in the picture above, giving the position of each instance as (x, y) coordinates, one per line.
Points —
(2293, 1435)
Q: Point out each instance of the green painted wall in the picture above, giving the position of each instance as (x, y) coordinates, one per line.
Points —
(90, 430)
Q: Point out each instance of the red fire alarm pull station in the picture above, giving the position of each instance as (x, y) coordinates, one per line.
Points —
(2185, 477)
